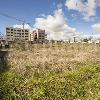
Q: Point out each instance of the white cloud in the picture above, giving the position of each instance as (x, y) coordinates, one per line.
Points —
(87, 9)
(96, 27)
(55, 25)
(26, 26)
(43, 15)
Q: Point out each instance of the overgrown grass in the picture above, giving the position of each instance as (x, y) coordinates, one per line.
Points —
(45, 74)
(81, 84)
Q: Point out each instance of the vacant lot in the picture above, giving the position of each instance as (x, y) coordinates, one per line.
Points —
(58, 71)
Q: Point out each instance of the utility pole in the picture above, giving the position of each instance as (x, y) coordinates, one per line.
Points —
(74, 39)
(23, 24)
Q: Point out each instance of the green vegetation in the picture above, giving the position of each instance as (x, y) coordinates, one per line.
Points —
(81, 84)
(80, 79)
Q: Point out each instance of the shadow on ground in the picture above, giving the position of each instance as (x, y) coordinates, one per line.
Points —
(3, 61)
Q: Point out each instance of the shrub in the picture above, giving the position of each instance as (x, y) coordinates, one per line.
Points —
(80, 84)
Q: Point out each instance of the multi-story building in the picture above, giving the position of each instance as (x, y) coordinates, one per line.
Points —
(13, 34)
(39, 36)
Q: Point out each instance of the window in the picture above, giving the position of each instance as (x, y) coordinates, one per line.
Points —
(19, 33)
(26, 33)
(39, 35)
(43, 33)
(8, 32)
(11, 29)
(40, 38)
(7, 28)
(19, 30)
(35, 35)
(26, 30)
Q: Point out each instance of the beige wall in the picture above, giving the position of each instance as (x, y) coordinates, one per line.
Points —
(39, 36)
(17, 33)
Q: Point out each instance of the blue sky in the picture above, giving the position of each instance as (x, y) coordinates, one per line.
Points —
(30, 10)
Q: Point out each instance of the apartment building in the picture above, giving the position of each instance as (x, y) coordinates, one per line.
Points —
(39, 36)
(13, 34)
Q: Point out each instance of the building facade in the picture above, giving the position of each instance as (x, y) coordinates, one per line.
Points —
(36, 36)
(13, 34)
(39, 36)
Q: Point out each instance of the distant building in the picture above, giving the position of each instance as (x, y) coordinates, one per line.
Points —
(13, 34)
(39, 36)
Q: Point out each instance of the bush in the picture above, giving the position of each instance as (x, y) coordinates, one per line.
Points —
(80, 84)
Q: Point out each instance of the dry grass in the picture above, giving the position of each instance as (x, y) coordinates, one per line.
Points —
(52, 72)
(56, 57)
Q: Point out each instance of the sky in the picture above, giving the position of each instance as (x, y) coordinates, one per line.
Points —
(60, 18)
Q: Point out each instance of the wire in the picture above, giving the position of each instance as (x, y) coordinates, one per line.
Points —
(12, 17)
